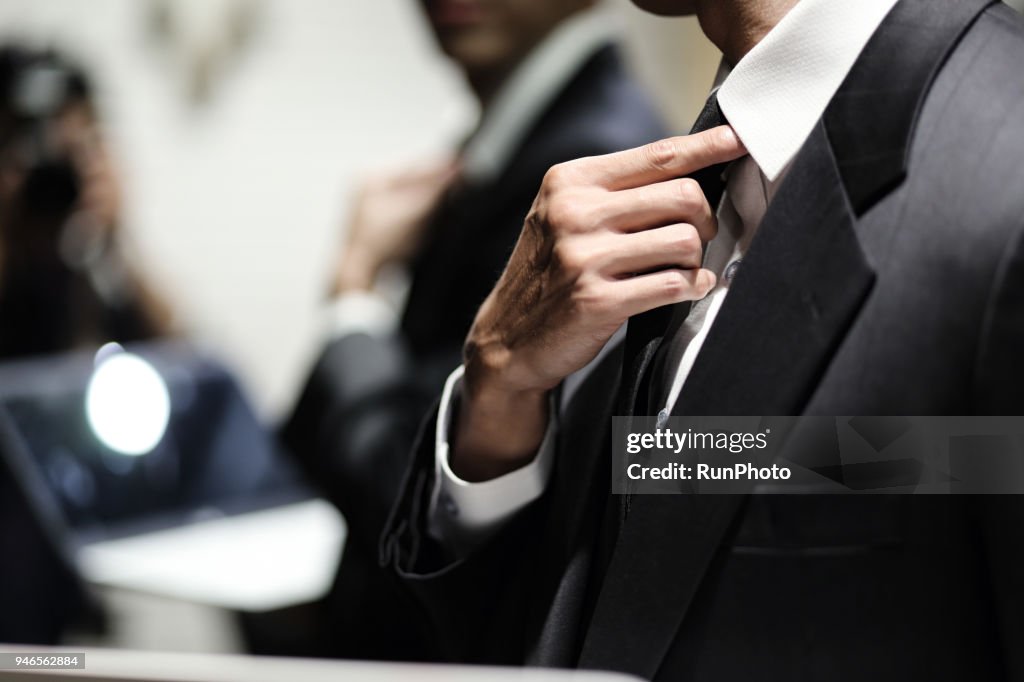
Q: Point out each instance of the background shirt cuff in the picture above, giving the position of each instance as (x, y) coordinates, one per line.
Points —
(360, 312)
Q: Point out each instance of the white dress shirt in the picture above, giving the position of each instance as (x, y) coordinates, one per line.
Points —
(773, 98)
(516, 107)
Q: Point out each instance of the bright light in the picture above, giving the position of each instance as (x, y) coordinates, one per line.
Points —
(127, 403)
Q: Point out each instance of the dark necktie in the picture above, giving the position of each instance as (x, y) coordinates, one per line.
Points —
(643, 337)
(646, 331)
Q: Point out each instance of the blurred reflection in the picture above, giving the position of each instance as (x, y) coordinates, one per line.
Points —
(127, 402)
(64, 281)
(114, 450)
(81, 422)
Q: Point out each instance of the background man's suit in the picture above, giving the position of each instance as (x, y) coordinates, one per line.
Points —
(886, 278)
(356, 421)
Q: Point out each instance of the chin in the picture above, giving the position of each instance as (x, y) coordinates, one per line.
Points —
(668, 8)
(473, 50)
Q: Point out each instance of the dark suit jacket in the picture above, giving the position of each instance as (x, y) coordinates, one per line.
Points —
(355, 423)
(887, 278)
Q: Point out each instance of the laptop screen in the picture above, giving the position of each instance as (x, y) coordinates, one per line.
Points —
(127, 442)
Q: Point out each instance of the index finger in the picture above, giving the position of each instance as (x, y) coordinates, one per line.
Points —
(672, 157)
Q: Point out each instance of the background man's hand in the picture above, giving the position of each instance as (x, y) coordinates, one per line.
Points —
(607, 238)
(390, 214)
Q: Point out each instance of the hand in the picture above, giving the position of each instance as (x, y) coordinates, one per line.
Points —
(100, 199)
(101, 189)
(387, 224)
(607, 238)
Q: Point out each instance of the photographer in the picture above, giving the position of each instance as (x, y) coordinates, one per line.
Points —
(64, 281)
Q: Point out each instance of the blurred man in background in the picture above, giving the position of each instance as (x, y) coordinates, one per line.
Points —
(64, 281)
(552, 87)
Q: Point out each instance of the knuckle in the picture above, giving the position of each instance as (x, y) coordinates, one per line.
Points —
(691, 196)
(675, 283)
(560, 175)
(574, 212)
(569, 258)
(554, 177)
(685, 239)
(661, 154)
(562, 215)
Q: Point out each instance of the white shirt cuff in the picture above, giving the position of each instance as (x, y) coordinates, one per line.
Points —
(360, 312)
(463, 514)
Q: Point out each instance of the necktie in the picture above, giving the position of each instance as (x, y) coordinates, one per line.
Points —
(643, 335)
(644, 332)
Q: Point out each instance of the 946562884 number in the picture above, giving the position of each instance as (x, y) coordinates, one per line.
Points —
(37, 661)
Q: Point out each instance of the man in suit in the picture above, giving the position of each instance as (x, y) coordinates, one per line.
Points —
(867, 258)
(552, 87)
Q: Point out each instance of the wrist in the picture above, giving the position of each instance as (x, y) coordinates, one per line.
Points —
(356, 272)
(498, 430)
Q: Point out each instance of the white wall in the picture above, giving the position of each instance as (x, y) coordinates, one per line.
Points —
(235, 209)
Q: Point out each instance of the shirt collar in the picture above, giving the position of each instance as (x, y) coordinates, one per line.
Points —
(776, 94)
(530, 90)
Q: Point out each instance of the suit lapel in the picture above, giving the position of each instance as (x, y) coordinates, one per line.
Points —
(758, 359)
(871, 119)
(803, 282)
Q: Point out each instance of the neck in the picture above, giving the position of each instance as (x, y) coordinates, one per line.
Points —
(485, 83)
(736, 26)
